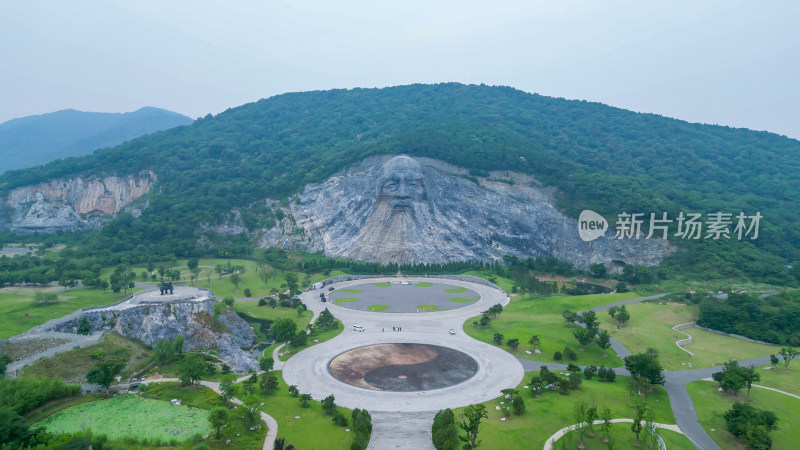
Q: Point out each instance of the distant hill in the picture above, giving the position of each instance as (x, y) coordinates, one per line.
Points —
(34, 140)
(596, 156)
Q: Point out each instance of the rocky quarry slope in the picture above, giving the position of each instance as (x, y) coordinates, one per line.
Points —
(149, 316)
(417, 210)
(70, 204)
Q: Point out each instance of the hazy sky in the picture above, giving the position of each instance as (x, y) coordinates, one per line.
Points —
(724, 62)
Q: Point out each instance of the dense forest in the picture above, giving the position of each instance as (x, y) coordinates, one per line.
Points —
(602, 158)
(774, 319)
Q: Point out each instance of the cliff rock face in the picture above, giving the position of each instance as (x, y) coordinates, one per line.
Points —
(192, 316)
(403, 210)
(70, 204)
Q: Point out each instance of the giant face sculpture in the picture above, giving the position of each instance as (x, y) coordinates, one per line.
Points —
(401, 183)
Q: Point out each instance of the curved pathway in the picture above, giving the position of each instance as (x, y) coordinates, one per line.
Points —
(558, 434)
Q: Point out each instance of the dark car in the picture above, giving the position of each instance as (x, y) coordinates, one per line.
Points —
(324, 300)
(330, 288)
(321, 295)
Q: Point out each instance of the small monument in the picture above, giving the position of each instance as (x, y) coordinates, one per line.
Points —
(166, 287)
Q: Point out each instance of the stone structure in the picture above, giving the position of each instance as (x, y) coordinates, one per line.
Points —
(70, 204)
(416, 210)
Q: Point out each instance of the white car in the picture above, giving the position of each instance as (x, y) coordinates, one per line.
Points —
(358, 328)
(452, 331)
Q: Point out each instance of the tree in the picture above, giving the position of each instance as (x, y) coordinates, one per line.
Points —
(579, 414)
(636, 426)
(471, 422)
(194, 267)
(569, 317)
(291, 281)
(218, 417)
(227, 386)
(513, 344)
(744, 420)
(191, 369)
(583, 335)
(646, 367)
(164, 349)
(283, 330)
(179, 342)
(787, 354)
(293, 391)
(443, 431)
(329, 404)
(4, 361)
(623, 316)
(268, 383)
(236, 279)
(591, 416)
(251, 403)
(603, 339)
(266, 364)
(734, 377)
(84, 326)
(45, 297)
(773, 360)
(104, 371)
(598, 270)
(535, 341)
(304, 400)
(498, 338)
(588, 318)
(606, 426)
(518, 405)
(13, 428)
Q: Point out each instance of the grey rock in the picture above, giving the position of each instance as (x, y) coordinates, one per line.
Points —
(442, 215)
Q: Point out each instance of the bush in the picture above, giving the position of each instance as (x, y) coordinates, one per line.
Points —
(247, 292)
(589, 372)
(570, 354)
(518, 405)
(340, 419)
(362, 425)
(229, 301)
(557, 356)
(444, 432)
(573, 368)
(606, 374)
(262, 302)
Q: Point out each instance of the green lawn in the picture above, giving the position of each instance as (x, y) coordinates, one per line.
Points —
(623, 437)
(427, 307)
(378, 308)
(651, 326)
(503, 283)
(320, 337)
(552, 411)
(542, 316)
(423, 284)
(711, 404)
(383, 284)
(350, 291)
(346, 300)
(202, 397)
(131, 416)
(457, 290)
(266, 312)
(785, 380)
(72, 365)
(462, 300)
(313, 429)
(16, 303)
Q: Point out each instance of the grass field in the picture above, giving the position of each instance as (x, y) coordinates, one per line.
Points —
(16, 302)
(266, 312)
(383, 284)
(423, 284)
(202, 397)
(651, 326)
(711, 404)
(427, 307)
(313, 429)
(522, 319)
(457, 290)
(503, 283)
(785, 380)
(320, 338)
(131, 416)
(462, 300)
(350, 291)
(346, 300)
(72, 365)
(623, 437)
(378, 308)
(552, 411)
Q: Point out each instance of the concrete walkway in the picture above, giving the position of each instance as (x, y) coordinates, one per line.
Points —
(558, 434)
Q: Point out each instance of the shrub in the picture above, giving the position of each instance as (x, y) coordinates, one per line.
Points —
(340, 419)
(444, 432)
(573, 368)
(518, 405)
(247, 292)
(589, 372)
(557, 356)
(262, 302)
(570, 354)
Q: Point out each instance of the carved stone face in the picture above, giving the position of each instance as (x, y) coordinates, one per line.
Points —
(402, 182)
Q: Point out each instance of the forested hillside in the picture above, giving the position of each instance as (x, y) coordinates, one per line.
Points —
(599, 157)
(34, 140)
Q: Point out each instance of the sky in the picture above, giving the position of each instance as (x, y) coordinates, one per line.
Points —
(721, 62)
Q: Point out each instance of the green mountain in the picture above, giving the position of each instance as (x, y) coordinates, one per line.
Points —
(33, 140)
(599, 157)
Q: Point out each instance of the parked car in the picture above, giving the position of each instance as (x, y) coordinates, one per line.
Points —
(331, 288)
(358, 328)
(452, 331)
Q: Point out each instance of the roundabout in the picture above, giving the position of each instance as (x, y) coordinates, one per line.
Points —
(420, 368)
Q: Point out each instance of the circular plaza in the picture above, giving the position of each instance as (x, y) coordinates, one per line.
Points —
(413, 359)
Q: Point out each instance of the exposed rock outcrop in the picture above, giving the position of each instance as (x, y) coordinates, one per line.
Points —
(148, 317)
(404, 210)
(70, 204)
